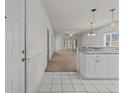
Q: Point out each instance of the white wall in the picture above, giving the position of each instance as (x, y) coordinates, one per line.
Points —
(52, 44)
(59, 41)
(37, 25)
(96, 41)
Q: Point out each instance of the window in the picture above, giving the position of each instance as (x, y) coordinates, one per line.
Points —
(111, 39)
(69, 44)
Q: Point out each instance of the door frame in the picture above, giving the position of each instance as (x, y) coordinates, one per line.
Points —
(25, 44)
(48, 45)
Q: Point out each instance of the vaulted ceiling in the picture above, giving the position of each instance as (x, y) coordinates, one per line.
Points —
(75, 15)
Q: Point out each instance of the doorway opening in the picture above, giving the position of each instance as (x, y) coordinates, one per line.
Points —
(70, 44)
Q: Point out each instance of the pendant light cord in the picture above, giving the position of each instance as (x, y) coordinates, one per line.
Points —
(94, 16)
(91, 27)
(112, 16)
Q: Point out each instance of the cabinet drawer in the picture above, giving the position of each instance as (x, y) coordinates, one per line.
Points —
(93, 56)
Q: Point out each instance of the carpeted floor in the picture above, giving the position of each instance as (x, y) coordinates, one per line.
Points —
(62, 62)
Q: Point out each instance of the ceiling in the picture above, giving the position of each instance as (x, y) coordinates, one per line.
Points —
(75, 15)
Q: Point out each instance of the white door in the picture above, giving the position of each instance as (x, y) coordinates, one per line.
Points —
(15, 28)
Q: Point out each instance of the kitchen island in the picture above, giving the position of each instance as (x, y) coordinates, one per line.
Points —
(98, 64)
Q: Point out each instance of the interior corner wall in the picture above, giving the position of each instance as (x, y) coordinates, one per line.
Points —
(96, 41)
(37, 23)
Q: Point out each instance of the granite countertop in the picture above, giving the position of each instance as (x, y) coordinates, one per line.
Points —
(99, 52)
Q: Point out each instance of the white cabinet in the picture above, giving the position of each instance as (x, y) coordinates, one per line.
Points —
(114, 66)
(96, 66)
(91, 68)
(82, 61)
(99, 65)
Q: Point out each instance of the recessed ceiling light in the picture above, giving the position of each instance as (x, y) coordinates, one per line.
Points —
(71, 34)
(67, 32)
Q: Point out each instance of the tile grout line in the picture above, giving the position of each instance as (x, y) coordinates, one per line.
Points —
(41, 83)
(72, 83)
(52, 83)
(104, 86)
(107, 88)
(83, 85)
(95, 87)
(61, 82)
(79, 78)
(115, 84)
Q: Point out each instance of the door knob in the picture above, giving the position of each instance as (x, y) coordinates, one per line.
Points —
(23, 51)
(23, 59)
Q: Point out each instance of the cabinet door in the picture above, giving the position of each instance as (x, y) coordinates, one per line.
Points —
(114, 66)
(91, 68)
(78, 61)
(82, 64)
(101, 70)
(107, 66)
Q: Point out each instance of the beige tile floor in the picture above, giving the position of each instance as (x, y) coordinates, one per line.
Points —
(71, 82)
(62, 62)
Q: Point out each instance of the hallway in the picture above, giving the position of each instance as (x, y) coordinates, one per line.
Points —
(64, 61)
(71, 82)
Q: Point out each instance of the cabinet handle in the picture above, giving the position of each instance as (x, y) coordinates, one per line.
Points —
(97, 61)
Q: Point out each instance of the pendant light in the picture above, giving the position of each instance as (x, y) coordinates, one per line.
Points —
(93, 23)
(92, 33)
(93, 18)
(113, 22)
